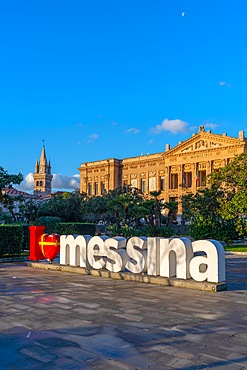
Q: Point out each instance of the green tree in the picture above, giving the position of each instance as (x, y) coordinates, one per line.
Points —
(122, 203)
(7, 181)
(219, 210)
(28, 210)
(203, 211)
(68, 206)
(158, 206)
(95, 209)
(232, 180)
(172, 207)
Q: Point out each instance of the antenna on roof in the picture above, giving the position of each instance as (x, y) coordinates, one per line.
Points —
(43, 142)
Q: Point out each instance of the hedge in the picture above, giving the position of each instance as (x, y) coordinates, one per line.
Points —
(26, 236)
(49, 222)
(72, 228)
(11, 239)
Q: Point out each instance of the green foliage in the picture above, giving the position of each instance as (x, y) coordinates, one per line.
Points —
(162, 231)
(96, 209)
(11, 239)
(5, 218)
(49, 222)
(232, 180)
(72, 228)
(28, 210)
(213, 213)
(125, 231)
(122, 203)
(68, 206)
(212, 228)
(26, 236)
(172, 209)
(7, 180)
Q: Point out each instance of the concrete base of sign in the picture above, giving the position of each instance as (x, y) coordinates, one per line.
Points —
(142, 278)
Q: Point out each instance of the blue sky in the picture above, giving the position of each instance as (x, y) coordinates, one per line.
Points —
(100, 79)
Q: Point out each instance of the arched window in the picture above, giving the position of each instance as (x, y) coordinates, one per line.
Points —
(37, 183)
(41, 183)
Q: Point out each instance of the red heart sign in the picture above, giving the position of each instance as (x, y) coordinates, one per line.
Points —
(50, 246)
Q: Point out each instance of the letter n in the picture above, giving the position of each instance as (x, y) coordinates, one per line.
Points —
(175, 257)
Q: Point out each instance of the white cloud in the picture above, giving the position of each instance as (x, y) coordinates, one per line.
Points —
(92, 138)
(66, 182)
(133, 131)
(27, 183)
(174, 126)
(224, 83)
(210, 125)
(58, 182)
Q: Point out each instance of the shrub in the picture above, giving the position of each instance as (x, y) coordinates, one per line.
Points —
(202, 228)
(49, 222)
(71, 228)
(162, 231)
(11, 239)
(125, 231)
(26, 237)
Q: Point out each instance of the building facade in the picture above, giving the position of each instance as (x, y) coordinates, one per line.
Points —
(176, 172)
(42, 175)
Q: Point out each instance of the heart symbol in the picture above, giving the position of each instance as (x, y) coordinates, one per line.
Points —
(50, 246)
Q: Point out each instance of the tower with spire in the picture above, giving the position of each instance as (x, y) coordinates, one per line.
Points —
(42, 175)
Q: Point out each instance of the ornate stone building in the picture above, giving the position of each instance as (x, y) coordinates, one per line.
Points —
(176, 172)
(42, 175)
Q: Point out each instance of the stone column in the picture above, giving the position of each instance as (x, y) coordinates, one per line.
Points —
(194, 183)
(167, 182)
(180, 189)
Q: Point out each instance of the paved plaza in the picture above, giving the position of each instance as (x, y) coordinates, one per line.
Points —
(58, 320)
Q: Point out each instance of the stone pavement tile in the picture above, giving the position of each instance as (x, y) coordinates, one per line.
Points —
(89, 305)
(5, 325)
(130, 317)
(85, 329)
(178, 363)
(111, 364)
(85, 311)
(165, 349)
(19, 362)
(205, 362)
(136, 362)
(239, 349)
(65, 363)
(76, 354)
(38, 353)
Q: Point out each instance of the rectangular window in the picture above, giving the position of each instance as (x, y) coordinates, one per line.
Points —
(96, 188)
(152, 183)
(89, 190)
(162, 183)
(102, 187)
(134, 183)
(187, 179)
(174, 181)
(143, 185)
(201, 178)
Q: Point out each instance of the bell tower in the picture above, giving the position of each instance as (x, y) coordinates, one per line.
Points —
(42, 175)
